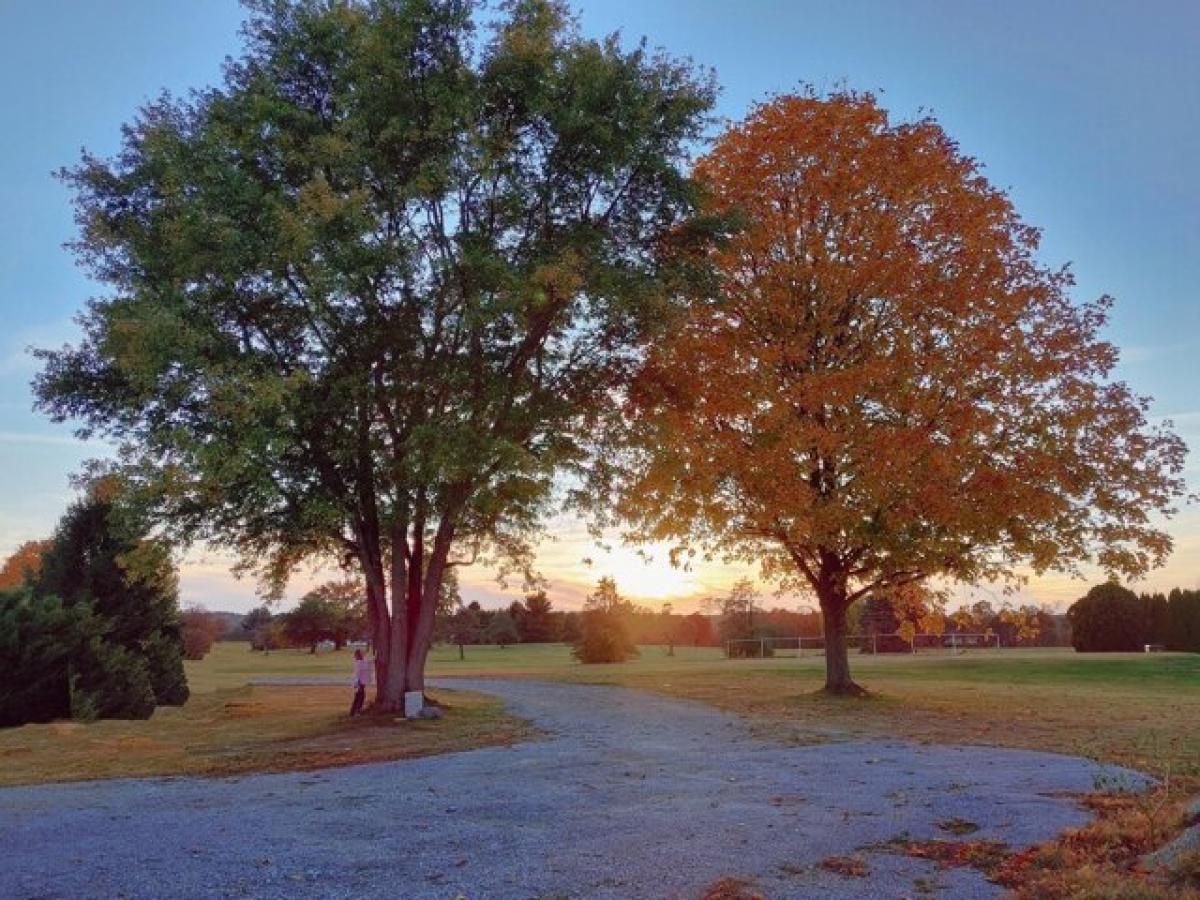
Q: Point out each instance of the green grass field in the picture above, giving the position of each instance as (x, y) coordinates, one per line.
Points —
(1136, 709)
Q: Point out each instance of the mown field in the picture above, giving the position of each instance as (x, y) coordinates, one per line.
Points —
(1135, 709)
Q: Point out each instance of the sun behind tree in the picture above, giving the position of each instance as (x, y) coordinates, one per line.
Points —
(604, 629)
(887, 386)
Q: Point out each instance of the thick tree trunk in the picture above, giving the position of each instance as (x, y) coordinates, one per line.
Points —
(389, 692)
(837, 660)
(403, 628)
(422, 619)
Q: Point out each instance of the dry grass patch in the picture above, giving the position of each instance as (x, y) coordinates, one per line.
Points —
(1103, 859)
(731, 889)
(249, 729)
(846, 866)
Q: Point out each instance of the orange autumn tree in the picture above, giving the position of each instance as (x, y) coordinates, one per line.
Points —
(886, 387)
(25, 562)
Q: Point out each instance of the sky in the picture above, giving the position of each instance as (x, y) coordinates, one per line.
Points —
(1086, 111)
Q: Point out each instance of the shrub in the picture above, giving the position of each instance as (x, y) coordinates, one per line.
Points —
(604, 635)
(109, 681)
(200, 631)
(1108, 618)
(604, 638)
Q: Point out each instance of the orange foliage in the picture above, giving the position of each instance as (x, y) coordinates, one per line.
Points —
(887, 386)
(26, 560)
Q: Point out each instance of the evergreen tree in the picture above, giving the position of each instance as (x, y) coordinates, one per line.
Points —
(38, 638)
(1183, 620)
(103, 560)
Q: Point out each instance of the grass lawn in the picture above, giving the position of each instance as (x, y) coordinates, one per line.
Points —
(229, 727)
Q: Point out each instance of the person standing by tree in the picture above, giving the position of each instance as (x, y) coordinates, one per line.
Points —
(362, 680)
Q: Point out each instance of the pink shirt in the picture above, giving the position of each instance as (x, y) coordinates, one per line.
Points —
(363, 670)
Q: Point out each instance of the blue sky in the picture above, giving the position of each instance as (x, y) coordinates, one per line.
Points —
(1087, 112)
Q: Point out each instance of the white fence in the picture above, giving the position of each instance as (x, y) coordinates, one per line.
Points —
(951, 642)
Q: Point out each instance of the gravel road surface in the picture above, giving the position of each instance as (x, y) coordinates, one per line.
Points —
(629, 795)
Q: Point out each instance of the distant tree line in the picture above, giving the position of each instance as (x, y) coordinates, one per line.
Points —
(533, 620)
(1111, 617)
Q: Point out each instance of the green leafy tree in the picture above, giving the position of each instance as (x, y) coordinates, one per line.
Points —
(736, 621)
(538, 623)
(258, 624)
(1157, 617)
(570, 626)
(465, 627)
(1109, 617)
(313, 620)
(104, 559)
(604, 634)
(337, 610)
(370, 294)
(502, 629)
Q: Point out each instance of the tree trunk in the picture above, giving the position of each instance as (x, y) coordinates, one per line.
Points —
(837, 660)
(389, 692)
(403, 629)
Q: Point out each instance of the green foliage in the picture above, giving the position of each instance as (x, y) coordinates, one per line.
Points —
(38, 638)
(1183, 620)
(312, 621)
(111, 681)
(502, 630)
(736, 622)
(258, 623)
(537, 621)
(466, 625)
(369, 295)
(604, 634)
(103, 559)
(1108, 618)
(335, 611)
(1156, 617)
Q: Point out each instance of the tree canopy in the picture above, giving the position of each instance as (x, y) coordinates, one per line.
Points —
(370, 294)
(886, 386)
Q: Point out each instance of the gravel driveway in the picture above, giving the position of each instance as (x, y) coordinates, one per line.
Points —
(631, 795)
